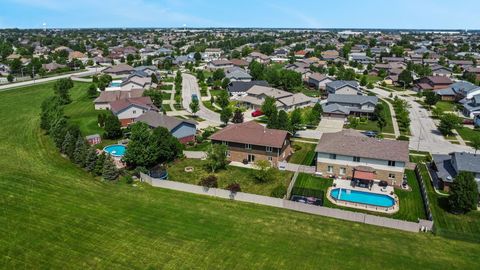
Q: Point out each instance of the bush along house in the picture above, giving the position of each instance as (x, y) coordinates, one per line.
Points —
(248, 142)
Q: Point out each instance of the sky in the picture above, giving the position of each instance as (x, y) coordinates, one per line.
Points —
(390, 14)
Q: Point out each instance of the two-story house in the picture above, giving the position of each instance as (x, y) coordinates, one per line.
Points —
(127, 110)
(349, 105)
(447, 167)
(248, 142)
(257, 94)
(343, 88)
(352, 155)
(319, 81)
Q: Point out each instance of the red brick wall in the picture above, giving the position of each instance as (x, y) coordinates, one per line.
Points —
(126, 122)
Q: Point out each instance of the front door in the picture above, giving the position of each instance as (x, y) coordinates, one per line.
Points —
(251, 158)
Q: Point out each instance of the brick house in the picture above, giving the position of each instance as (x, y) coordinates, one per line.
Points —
(250, 141)
(352, 155)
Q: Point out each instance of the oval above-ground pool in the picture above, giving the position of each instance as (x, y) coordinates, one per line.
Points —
(362, 197)
(115, 150)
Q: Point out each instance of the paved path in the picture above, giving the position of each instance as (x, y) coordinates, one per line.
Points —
(396, 130)
(190, 87)
(195, 154)
(89, 72)
(425, 135)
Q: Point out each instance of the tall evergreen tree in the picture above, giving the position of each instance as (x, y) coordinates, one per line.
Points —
(283, 121)
(68, 145)
(80, 152)
(113, 127)
(91, 159)
(110, 171)
(99, 164)
(58, 131)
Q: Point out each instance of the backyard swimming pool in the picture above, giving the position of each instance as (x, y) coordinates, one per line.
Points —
(115, 84)
(115, 150)
(362, 197)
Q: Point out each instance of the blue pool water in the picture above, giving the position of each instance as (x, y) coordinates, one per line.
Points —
(362, 197)
(115, 84)
(115, 150)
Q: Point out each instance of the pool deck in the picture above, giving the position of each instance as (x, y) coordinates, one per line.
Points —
(345, 184)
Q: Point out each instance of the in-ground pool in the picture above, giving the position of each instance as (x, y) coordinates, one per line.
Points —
(116, 150)
(115, 84)
(362, 197)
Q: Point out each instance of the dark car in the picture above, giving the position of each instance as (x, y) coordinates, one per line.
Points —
(370, 133)
(194, 97)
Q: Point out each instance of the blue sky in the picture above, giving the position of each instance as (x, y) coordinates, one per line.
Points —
(419, 14)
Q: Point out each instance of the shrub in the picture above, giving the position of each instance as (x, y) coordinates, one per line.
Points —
(128, 179)
(279, 191)
(403, 138)
(234, 187)
(209, 181)
(296, 147)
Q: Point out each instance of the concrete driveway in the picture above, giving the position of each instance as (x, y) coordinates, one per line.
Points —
(331, 124)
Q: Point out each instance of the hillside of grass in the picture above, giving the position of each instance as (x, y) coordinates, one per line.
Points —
(55, 216)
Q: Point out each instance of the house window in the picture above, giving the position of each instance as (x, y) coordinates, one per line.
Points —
(134, 112)
(269, 149)
(356, 159)
(248, 146)
(224, 142)
(330, 169)
(270, 158)
(333, 156)
(391, 163)
(343, 171)
(391, 176)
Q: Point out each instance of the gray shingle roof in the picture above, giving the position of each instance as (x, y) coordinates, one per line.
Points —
(345, 144)
(353, 99)
(155, 119)
(336, 108)
(466, 161)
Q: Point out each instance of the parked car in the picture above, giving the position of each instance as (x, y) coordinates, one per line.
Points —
(468, 121)
(257, 113)
(194, 97)
(370, 133)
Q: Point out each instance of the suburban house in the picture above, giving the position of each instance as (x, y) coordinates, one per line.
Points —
(441, 71)
(118, 70)
(149, 70)
(471, 107)
(330, 55)
(220, 63)
(319, 81)
(259, 57)
(212, 54)
(284, 100)
(182, 129)
(127, 110)
(237, 74)
(352, 155)
(239, 63)
(103, 101)
(476, 120)
(343, 88)
(139, 79)
(248, 142)
(344, 105)
(52, 66)
(432, 83)
(458, 91)
(239, 88)
(447, 167)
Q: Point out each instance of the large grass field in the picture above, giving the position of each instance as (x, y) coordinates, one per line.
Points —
(466, 227)
(55, 216)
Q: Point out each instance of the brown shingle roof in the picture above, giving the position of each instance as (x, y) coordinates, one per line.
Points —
(143, 102)
(251, 133)
(110, 96)
(360, 146)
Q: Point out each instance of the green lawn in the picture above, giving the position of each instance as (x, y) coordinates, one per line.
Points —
(372, 125)
(411, 207)
(54, 214)
(304, 153)
(227, 176)
(468, 134)
(465, 227)
(166, 95)
(373, 79)
(199, 146)
(446, 106)
(166, 87)
(209, 106)
(82, 110)
(167, 107)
